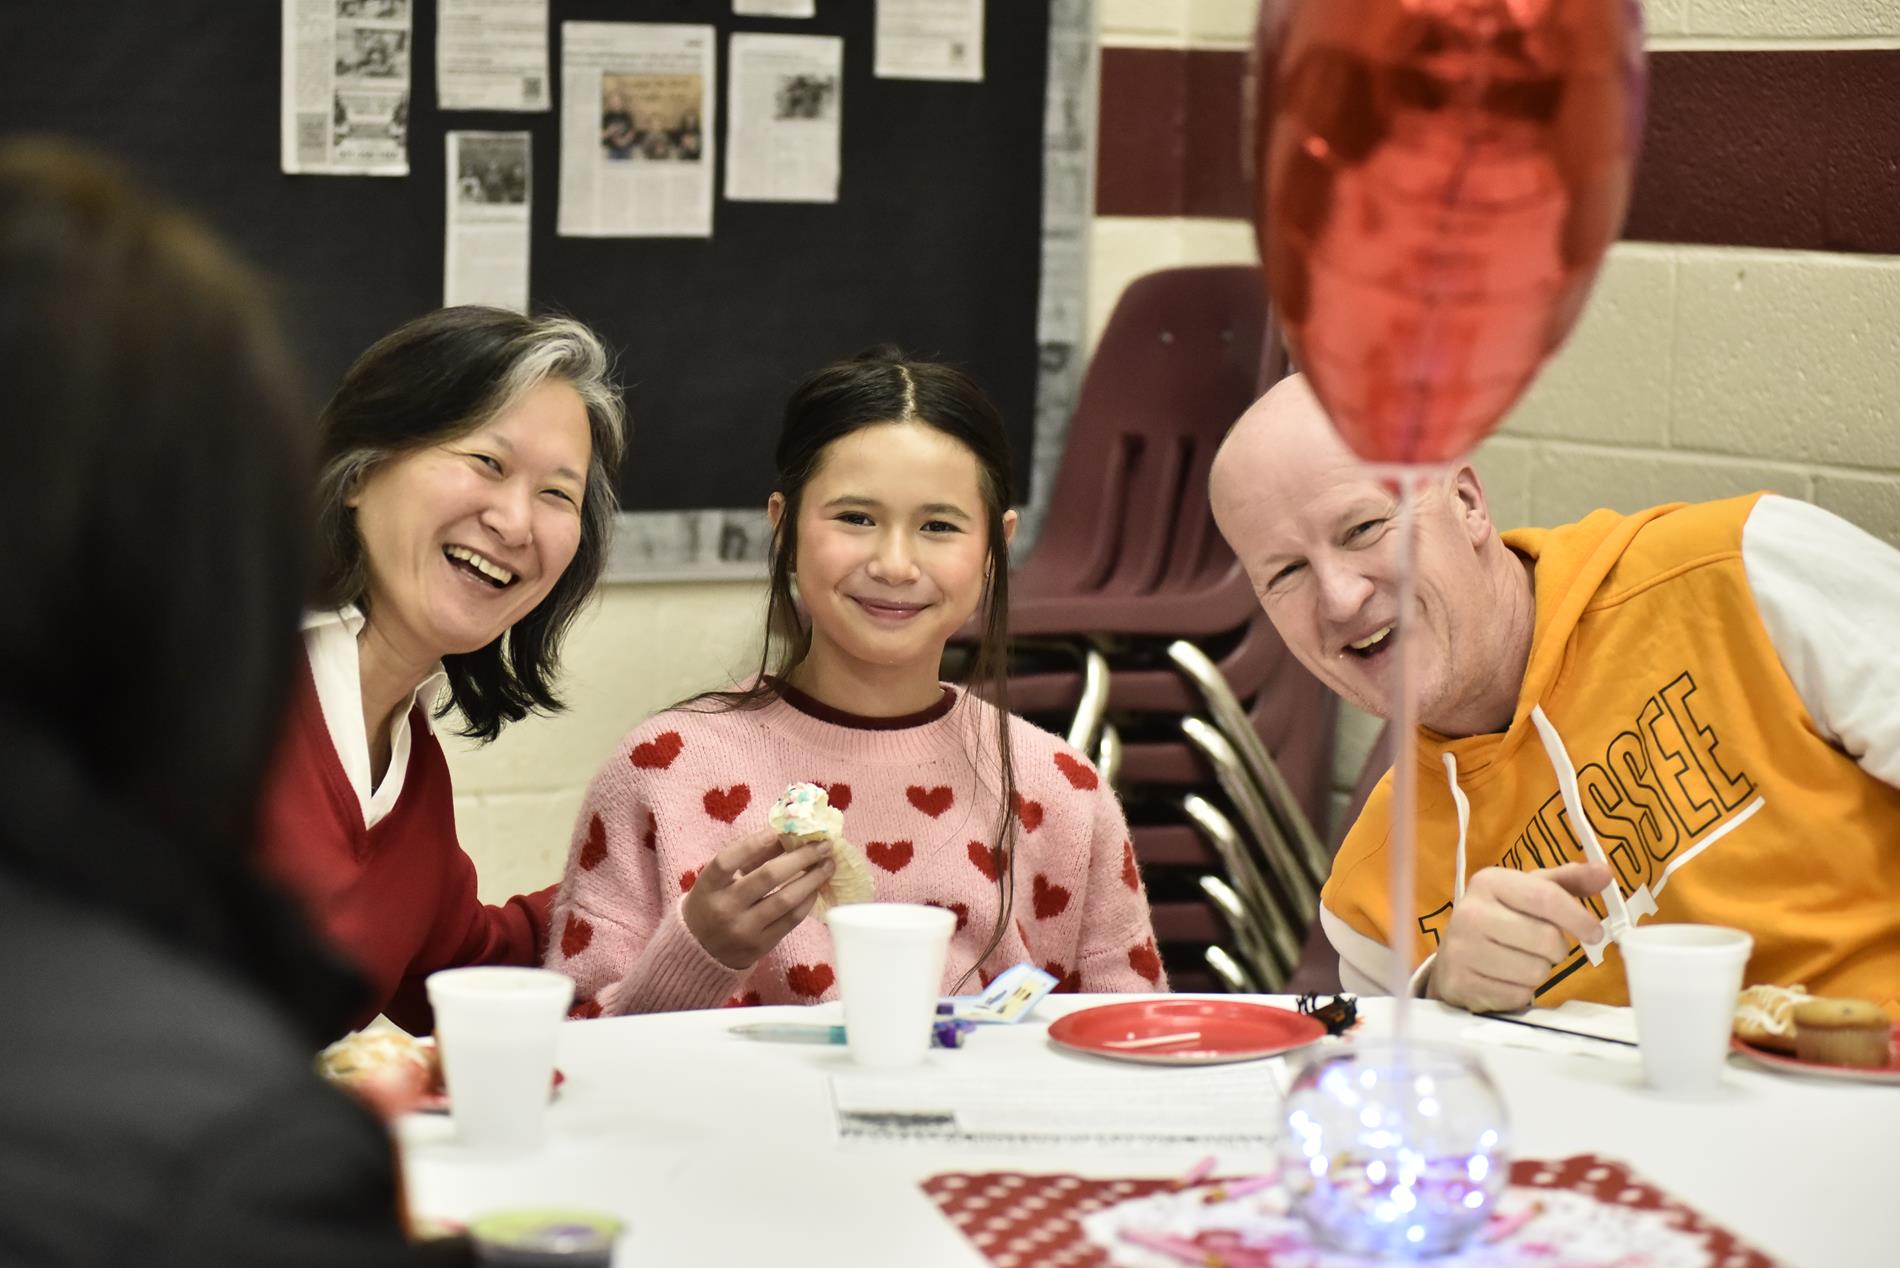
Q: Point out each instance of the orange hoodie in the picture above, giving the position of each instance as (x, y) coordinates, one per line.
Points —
(1708, 784)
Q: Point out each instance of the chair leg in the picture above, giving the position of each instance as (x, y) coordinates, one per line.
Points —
(1093, 706)
(1232, 976)
(1281, 863)
(1231, 717)
(1108, 753)
(1249, 937)
(1278, 928)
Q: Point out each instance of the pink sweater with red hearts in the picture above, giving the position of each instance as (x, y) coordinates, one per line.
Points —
(682, 786)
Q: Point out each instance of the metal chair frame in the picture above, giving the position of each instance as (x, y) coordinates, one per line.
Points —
(1230, 716)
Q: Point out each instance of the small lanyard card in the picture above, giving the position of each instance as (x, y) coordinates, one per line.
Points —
(1009, 997)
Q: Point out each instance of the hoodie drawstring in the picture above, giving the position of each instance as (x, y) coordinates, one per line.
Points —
(1463, 804)
(1619, 921)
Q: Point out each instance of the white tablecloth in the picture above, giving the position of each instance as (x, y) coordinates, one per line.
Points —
(718, 1150)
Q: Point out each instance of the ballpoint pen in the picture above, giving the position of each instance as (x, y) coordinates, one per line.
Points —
(944, 1032)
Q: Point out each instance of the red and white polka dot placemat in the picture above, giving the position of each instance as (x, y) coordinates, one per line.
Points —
(1580, 1212)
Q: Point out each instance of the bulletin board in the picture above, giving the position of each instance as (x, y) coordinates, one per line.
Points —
(939, 242)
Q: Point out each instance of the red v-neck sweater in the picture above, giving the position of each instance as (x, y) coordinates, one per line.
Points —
(399, 898)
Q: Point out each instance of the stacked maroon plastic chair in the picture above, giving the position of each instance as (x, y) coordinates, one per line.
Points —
(1129, 561)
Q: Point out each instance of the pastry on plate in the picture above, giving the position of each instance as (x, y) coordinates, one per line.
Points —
(388, 1057)
(1764, 1016)
(1849, 1032)
(805, 812)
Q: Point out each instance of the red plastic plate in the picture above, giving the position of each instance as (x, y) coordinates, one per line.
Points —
(1889, 1073)
(1185, 1031)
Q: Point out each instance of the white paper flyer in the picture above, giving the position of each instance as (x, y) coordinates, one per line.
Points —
(636, 129)
(784, 106)
(345, 87)
(491, 55)
(491, 190)
(929, 39)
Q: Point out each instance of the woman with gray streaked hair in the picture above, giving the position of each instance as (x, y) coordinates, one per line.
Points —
(465, 496)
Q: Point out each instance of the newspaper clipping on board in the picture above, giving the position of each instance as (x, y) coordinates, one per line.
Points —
(775, 8)
(636, 130)
(491, 55)
(785, 102)
(929, 39)
(485, 253)
(345, 94)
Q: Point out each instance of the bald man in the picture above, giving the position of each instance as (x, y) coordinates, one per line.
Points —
(1718, 681)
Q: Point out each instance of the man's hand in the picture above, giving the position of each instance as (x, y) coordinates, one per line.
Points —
(753, 893)
(1510, 930)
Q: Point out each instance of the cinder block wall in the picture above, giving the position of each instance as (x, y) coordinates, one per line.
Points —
(1752, 343)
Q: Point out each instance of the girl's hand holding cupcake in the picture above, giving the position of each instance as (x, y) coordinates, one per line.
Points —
(753, 893)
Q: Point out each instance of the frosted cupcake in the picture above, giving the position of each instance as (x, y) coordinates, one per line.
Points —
(805, 812)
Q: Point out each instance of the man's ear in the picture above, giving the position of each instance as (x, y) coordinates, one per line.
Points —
(1474, 511)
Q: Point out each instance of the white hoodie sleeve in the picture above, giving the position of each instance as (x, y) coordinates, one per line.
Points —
(1829, 595)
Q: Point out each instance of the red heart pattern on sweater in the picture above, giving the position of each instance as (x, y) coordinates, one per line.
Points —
(727, 804)
(751, 999)
(687, 878)
(932, 801)
(584, 1010)
(652, 838)
(1079, 774)
(1067, 983)
(1051, 899)
(810, 980)
(657, 753)
(958, 910)
(1028, 812)
(838, 795)
(1146, 961)
(576, 935)
(988, 859)
(892, 856)
(594, 848)
(1131, 875)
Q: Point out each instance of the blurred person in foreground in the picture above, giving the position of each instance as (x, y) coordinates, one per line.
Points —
(1718, 679)
(158, 1105)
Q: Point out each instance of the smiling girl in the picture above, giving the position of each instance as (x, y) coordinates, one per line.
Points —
(464, 501)
(890, 528)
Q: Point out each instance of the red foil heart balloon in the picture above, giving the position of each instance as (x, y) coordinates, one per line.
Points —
(1438, 182)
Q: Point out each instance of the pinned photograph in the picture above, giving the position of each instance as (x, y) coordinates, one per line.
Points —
(492, 169)
(805, 96)
(652, 117)
(365, 52)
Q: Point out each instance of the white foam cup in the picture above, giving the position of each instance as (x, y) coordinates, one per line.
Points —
(1683, 982)
(890, 971)
(497, 1027)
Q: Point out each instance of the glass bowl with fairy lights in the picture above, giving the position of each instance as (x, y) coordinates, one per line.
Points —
(1394, 1150)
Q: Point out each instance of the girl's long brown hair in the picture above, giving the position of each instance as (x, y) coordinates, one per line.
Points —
(876, 387)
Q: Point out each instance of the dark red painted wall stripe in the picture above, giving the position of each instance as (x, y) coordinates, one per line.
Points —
(1797, 150)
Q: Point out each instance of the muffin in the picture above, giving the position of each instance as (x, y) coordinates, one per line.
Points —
(805, 812)
(1848, 1032)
